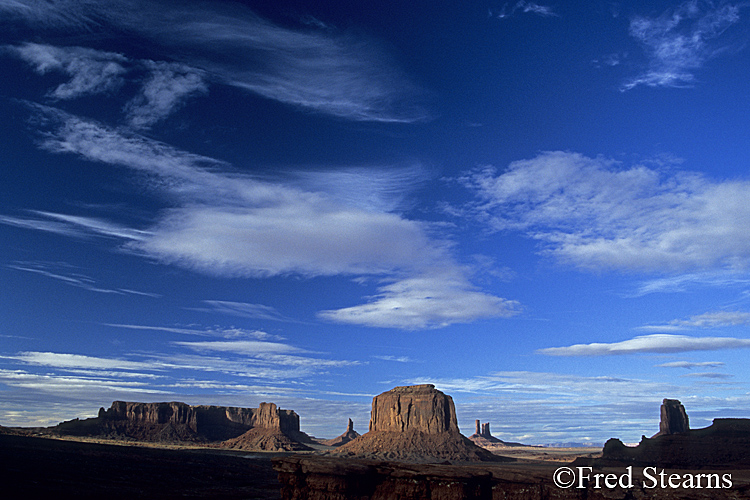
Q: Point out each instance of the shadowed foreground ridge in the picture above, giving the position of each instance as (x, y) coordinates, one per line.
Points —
(723, 444)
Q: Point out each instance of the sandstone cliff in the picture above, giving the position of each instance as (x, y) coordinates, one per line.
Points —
(325, 478)
(179, 422)
(674, 419)
(415, 423)
(417, 407)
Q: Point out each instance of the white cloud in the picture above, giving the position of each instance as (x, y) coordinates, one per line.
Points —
(226, 333)
(345, 76)
(322, 70)
(163, 92)
(91, 71)
(70, 361)
(656, 343)
(165, 87)
(683, 282)
(709, 375)
(230, 224)
(398, 359)
(73, 385)
(523, 6)
(302, 234)
(258, 353)
(595, 214)
(63, 274)
(715, 319)
(61, 13)
(243, 310)
(434, 299)
(244, 347)
(679, 42)
(692, 364)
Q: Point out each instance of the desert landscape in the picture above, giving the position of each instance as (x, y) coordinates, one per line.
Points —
(413, 450)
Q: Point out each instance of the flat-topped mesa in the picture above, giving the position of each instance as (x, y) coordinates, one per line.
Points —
(269, 427)
(202, 418)
(417, 407)
(674, 419)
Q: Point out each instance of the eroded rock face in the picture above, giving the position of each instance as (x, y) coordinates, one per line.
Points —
(482, 436)
(414, 423)
(674, 419)
(175, 421)
(417, 407)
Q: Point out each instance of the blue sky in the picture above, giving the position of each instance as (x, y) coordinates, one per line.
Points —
(541, 208)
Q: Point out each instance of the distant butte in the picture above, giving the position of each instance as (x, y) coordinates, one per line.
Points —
(414, 423)
(347, 436)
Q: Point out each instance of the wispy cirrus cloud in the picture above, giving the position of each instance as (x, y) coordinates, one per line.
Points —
(225, 333)
(165, 90)
(680, 42)
(716, 319)
(683, 282)
(76, 386)
(319, 69)
(597, 214)
(72, 277)
(247, 356)
(91, 71)
(398, 359)
(69, 361)
(656, 343)
(165, 87)
(692, 364)
(508, 10)
(243, 310)
(229, 224)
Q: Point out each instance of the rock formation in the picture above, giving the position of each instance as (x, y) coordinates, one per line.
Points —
(414, 423)
(674, 419)
(347, 436)
(482, 436)
(179, 422)
(725, 443)
(416, 407)
(311, 477)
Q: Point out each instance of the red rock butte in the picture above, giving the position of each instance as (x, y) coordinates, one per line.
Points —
(414, 423)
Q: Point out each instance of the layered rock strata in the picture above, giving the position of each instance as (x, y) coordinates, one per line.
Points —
(416, 407)
(324, 478)
(414, 423)
(179, 422)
